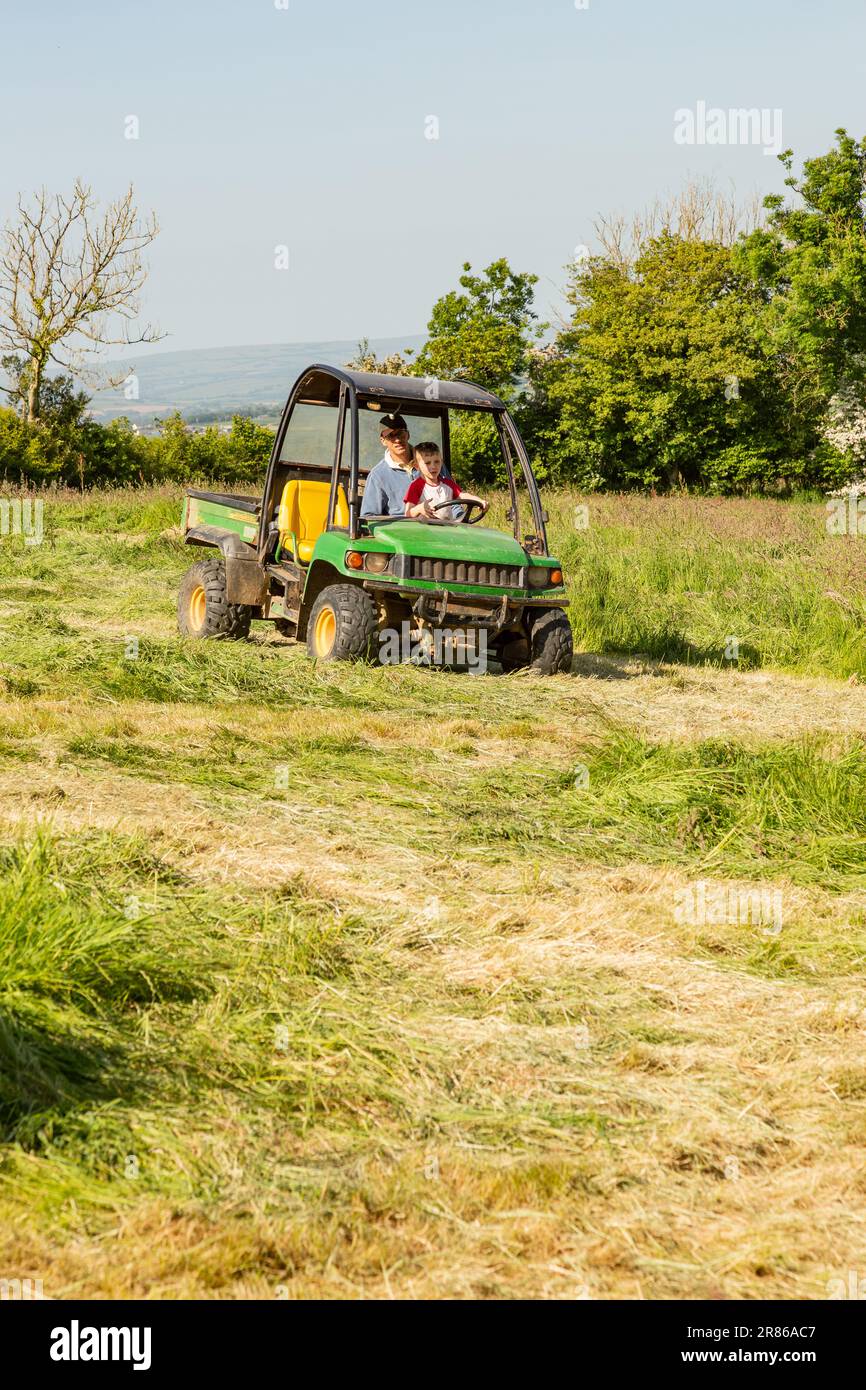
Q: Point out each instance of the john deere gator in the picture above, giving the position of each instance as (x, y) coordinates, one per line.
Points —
(304, 557)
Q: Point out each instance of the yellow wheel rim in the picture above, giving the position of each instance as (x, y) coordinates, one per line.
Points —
(198, 607)
(325, 634)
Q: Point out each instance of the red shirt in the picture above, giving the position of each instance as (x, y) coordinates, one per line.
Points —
(417, 486)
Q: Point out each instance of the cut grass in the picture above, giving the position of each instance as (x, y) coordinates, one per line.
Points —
(314, 1123)
(787, 809)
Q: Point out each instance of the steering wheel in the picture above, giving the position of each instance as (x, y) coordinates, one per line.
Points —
(467, 504)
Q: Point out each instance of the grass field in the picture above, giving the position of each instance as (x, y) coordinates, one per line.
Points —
(357, 982)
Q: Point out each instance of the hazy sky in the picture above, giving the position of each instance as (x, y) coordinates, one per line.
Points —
(306, 127)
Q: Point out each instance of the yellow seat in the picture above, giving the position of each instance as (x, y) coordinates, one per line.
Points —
(303, 516)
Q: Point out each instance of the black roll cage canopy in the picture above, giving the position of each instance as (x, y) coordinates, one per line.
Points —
(349, 391)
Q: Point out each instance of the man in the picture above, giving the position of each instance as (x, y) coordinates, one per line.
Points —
(388, 480)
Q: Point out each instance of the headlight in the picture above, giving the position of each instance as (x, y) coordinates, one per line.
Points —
(539, 577)
(376, 561)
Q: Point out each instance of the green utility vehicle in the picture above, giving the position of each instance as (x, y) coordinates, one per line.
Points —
(304, 556)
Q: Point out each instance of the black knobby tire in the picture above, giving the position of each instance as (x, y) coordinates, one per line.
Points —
(343, 624)
(202, 607)
(550, 641)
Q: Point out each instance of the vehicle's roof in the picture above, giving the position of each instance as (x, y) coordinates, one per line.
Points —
(392, 389)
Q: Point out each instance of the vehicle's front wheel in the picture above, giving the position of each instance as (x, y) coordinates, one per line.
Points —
(202, 607)
(550, 642)
(513, 652)
(343, 624)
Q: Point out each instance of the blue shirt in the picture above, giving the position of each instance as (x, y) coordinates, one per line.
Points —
(386, 487)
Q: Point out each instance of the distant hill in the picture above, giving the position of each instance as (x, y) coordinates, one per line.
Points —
(212, 381)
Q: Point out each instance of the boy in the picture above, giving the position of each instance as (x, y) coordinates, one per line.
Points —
(428, 490)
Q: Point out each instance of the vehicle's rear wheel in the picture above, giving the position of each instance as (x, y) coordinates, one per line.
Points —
(550, 642)
(343, 624)
(202, 607)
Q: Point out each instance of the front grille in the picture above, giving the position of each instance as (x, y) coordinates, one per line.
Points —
(458, 572)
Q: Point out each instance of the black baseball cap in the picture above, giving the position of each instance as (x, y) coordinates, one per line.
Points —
(393, 422)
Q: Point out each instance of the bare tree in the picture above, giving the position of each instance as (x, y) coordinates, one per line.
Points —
(70, 278)
(700, 211)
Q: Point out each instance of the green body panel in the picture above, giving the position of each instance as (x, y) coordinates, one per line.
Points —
(480, 545)
(197, 512)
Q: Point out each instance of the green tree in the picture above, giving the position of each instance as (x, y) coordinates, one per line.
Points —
(658, 379)
(184, 454)
(114, 453)
(61, 404)
(484, 333)
(247, 447)
(809, 265)
(54, 448)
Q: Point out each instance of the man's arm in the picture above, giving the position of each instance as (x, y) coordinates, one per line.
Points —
(371, 502)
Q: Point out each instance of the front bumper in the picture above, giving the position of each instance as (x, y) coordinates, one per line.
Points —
(492, 612)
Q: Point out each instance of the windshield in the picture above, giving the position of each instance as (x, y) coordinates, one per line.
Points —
(483, 463)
